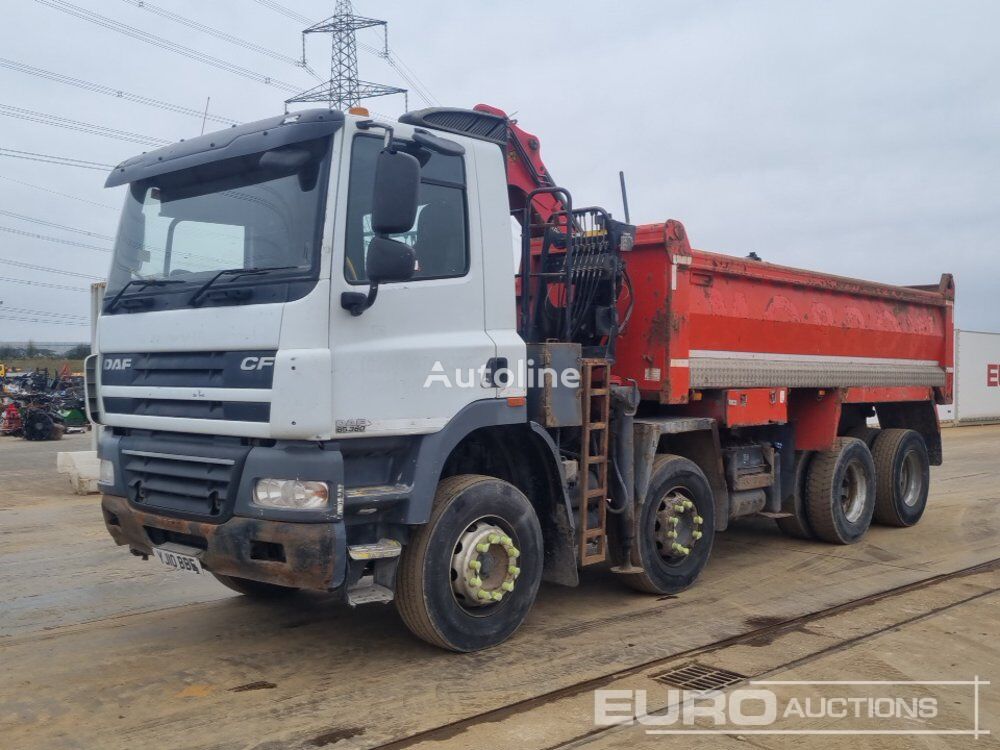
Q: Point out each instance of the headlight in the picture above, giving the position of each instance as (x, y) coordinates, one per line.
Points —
(291, 494)
(107, 472)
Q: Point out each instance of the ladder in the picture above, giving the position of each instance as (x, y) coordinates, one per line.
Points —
(594, 439)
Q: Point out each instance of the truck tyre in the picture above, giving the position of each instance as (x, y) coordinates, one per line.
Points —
(468, 576)
(902, 477)
(865, 434)
(38, 425)
(797, 524)
(675, 527)
(254, 589)
(840, 492)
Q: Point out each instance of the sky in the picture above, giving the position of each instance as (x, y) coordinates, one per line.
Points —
(857, 138)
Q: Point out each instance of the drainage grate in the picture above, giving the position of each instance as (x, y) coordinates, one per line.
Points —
(694, 676)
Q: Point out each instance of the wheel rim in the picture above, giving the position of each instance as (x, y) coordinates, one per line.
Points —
(677, 527)
(854, 492)
(911, 479)
(485, 564)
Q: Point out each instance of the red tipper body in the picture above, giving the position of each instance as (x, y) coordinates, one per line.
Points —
(742, 339)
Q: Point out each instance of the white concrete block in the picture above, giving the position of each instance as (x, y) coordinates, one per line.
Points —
(83, 469)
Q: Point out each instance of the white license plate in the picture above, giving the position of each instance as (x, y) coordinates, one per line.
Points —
(178, 561)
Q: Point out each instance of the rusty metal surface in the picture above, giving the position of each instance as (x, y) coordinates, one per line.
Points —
(310, 549)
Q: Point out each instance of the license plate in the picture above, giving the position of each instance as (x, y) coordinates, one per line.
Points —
(178, 561)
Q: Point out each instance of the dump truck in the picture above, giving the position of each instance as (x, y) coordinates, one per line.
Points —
(326, 360)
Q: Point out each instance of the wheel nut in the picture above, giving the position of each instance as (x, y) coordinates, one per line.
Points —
(696, 535)
(688, 504)
(476, 582)
(674, 520)
(485, 595)
(513, 570)
(679, 507)
(505, 540)
(483, 547)
(494, 539)
(513, 552)
(475, 565)
(507, 585)
(698, 519)
(671, 535)
(497, 596)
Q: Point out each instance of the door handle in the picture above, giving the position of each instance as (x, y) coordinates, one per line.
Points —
(494, 365)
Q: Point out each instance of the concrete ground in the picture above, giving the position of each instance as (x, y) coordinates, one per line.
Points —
(102, 650)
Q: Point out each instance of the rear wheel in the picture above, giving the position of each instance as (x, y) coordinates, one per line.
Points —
(469, 575)
(675, 528)
(254, 589)
(865, 434)
(840, 492)
(902, 475)
(797, 524)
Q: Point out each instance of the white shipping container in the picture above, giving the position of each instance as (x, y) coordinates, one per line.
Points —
(977, 377)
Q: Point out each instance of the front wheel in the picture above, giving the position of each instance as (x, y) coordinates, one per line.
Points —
(675, 527)
(469, 575)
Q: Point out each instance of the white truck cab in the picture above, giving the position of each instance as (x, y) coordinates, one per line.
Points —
(264, 425)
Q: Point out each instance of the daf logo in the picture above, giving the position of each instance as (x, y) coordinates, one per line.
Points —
(118, 363)
(256, 363)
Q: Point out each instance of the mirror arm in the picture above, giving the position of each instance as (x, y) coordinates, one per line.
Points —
(369, 124)
(357, 302)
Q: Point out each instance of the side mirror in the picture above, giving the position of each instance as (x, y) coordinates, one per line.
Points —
(389, 260)
(394, 210)
(397, 186)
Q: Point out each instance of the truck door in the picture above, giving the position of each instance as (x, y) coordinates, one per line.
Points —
(415, 358)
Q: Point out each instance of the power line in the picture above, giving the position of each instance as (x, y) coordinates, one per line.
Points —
(63, 161)
(405, 71)
(159, 41)
(28, 311)
(279, 8)
(46, 321)
(49, 269)
(211, 31)
(84, 127)
(44, 284)
(56, 192)
(111, 91)
(53, 225)
(58, 240)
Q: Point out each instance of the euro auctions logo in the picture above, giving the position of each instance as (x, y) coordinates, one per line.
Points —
(801, 707)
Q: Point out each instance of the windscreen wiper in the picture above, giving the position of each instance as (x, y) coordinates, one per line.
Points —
(235, 273)
(143, 284)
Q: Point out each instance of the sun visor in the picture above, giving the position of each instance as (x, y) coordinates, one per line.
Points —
(250, 138)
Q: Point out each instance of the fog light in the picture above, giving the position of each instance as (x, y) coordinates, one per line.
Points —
(107, 472)
(291, 494)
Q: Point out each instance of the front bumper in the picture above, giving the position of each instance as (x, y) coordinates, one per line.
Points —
(287, 553)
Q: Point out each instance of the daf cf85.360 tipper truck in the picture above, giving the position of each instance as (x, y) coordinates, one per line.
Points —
(317, 367)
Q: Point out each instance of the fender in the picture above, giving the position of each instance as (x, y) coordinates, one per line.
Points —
(434, 449)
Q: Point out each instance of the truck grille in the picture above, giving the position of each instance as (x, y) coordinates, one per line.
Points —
(236, 369)
(188, 485)
(233, 411)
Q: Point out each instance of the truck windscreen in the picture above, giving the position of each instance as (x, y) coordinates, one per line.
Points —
(262, 211)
